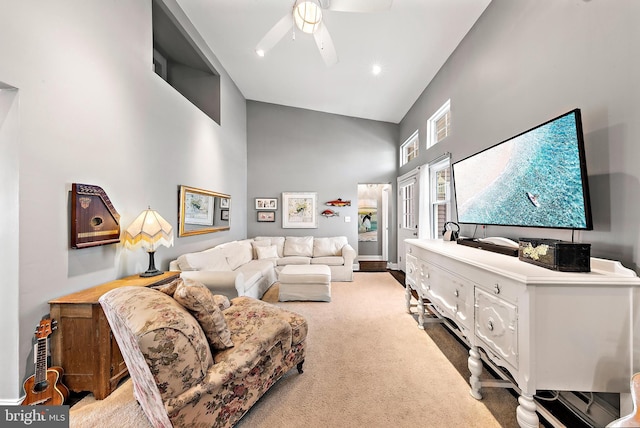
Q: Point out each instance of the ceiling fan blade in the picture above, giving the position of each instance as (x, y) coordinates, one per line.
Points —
(360, 5)
(276, 33)
(325, 45)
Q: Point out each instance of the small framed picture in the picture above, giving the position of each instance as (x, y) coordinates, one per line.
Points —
(224, 214)
(266, 216)
(224, 202)
(266, 204)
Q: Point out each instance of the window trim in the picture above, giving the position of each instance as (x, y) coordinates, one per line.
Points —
(435, 167)
(414, 138)
(432, 138)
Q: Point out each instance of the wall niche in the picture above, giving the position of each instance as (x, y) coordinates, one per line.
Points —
(179, 61)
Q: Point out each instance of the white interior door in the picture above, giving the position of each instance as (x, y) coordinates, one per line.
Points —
(408, 211)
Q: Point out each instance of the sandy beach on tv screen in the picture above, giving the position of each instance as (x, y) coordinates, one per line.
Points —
(480, 171)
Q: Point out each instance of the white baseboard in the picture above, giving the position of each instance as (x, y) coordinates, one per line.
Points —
(12, 402)
(370, 258)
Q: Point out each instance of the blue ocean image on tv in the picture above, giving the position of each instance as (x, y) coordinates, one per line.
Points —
(538, 182)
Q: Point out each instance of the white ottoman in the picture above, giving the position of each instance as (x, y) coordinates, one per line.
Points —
(305, 282)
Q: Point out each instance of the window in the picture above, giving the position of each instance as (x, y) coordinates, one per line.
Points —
(409, 149)
(440, 195)
(439, 125)
(407, 201)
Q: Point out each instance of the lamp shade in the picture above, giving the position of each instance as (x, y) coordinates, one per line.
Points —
(149, 230)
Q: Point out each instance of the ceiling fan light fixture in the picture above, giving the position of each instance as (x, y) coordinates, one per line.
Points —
(307, 15)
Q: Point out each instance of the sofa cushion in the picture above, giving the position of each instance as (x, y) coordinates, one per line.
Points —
(298, 246)
(245, 307)
(212, 259)
(267, 252)
(238, 253)
(278, 241)
(294, 260)
(329, 261)
(323, 247)
(200, 302)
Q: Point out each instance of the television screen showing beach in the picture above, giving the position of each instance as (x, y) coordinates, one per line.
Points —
(534, 179)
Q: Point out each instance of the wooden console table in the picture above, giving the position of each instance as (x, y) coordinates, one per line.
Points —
(83, 344)
(550, 330)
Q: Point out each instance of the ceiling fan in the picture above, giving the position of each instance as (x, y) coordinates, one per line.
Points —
(306, 15)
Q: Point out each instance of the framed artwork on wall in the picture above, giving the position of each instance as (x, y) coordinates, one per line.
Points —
(266, 204)
(299, 210)
(266, 216)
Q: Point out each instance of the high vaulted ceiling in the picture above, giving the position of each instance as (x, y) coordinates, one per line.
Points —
(410, 42)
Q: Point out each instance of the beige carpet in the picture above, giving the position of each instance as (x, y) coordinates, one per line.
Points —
(367, 365)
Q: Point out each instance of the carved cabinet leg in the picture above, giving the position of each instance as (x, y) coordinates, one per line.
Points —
(407, 297)
(526, 412)
(420, 313)
(475, 367)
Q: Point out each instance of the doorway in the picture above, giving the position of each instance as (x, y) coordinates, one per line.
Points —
(373, 223)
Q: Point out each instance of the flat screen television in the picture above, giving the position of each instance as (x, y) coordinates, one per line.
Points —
(535, 179)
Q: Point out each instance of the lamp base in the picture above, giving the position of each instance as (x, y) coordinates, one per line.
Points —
(152, 271)
(149, 273)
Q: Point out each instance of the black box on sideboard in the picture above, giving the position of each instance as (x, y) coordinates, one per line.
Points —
(557, 255)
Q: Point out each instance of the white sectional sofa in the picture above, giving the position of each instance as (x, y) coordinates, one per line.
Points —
(249, 267)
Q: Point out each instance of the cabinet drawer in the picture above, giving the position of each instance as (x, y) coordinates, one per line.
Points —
(452, 295)
(411, 277)
(496, 324)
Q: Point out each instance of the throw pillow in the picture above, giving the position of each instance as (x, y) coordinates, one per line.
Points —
(257, 244)
(278, 241)
(200, 302)
(169, 288)
(222, 301)
(268, 252)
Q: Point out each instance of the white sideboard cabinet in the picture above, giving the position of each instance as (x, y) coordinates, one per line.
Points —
(550, 330)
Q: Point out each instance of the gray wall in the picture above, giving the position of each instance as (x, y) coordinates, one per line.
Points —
(525, 62)
(91, 110)
(292, 150)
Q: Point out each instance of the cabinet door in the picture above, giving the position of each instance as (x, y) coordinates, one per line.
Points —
(496, 324)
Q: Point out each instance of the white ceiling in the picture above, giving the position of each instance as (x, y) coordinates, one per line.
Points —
(410, 41)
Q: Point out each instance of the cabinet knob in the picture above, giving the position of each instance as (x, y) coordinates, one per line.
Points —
(456, 308)
(490, 326)
(410, 270)
(456, 293)
(410, 250)
(496, 288)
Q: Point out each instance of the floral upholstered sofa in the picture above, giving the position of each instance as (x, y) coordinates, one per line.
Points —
(199, 360)
(249, 267)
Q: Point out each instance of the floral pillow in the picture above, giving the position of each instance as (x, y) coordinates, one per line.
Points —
(202, 304)
(168, 288)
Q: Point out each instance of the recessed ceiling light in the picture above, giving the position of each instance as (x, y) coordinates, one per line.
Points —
(376, 69)
(260, 52)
